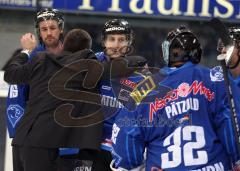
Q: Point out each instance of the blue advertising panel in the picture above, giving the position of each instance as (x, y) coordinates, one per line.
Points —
(188, 9)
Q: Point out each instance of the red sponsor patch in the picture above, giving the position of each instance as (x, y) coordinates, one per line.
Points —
(128, 83)
(183, 90)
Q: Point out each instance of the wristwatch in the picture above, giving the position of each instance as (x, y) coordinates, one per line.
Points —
(26, 51)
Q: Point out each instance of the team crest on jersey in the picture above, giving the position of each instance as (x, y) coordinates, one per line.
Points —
(14, 113)
(216, 74)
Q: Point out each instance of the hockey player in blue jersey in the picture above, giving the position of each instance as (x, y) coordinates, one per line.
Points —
(187, 128)
(233, 64)
(117, 37)
(233, 61)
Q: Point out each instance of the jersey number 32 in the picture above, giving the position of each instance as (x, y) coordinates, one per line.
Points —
(188, 153)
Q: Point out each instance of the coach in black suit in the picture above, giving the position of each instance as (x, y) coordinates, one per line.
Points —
(55, 83)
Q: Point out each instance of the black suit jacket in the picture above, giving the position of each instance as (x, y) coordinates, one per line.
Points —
(46, 122)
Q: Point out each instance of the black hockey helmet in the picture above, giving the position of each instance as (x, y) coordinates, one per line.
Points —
(49, 14)
(234, 33)
(117, 26)
(188, 44)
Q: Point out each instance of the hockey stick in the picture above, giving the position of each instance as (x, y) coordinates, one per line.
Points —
(222, 32)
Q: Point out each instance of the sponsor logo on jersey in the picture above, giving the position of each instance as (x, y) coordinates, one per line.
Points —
(215, 167)
(83, 165)
(216, 74)
(46, 14)
(183, 90)
(106, 88)
(115, 29)
(143, 89)
(14, 113)
(110, 101)
(128, 83)
(124, 95)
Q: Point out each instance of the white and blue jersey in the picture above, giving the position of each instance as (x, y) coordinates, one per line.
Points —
(113, 96)
(114, 93)
(187, 128)
(16, 101)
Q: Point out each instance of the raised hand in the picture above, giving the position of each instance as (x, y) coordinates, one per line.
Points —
(28, 42)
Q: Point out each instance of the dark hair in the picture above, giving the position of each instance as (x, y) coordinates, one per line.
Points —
(77, 39)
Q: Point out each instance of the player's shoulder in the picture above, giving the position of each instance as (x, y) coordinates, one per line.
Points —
(214, 74)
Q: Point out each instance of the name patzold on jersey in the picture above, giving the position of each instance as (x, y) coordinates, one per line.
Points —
(172, 107)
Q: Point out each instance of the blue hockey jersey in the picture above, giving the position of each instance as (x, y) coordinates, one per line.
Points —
(235, 85)
(114, 93)
(16, 101)
(187, 128)
(113, 99)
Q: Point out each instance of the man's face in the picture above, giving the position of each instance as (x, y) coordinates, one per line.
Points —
(50, 32)
(231, 56)
(222, 49)
(116, 45)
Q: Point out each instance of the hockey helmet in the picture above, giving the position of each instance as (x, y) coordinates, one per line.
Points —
(117, 26)
(234, 33)
(188, 44)
(49, 14)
